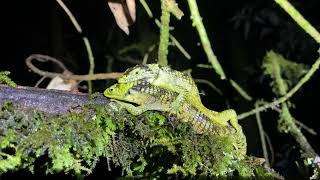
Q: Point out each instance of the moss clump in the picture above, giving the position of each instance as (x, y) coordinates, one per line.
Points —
(145, 146)
(73, 142)
(4, 79)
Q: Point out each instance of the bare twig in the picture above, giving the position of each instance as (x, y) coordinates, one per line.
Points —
(85, 40)
(270, 147)
(305, 127)
(209, 84)
(262, 138)
(44, 58)
(241, 91)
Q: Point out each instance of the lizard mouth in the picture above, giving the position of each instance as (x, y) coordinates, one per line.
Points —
(129, 102)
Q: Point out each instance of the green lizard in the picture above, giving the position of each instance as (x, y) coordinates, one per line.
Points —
(149, 97)
(181, 83)
(164, 77)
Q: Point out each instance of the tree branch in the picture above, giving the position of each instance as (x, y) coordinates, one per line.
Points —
(48, 101)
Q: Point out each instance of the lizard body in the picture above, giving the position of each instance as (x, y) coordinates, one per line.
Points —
(180, 83)
(149, 97)
(164, 77)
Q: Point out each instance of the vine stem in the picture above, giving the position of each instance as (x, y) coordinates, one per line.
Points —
(87, 77)
(300, 20)
(197, 22)
(307, 27)
(164, 34)
(173, 39)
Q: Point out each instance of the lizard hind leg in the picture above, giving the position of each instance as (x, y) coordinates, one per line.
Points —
(228, 115)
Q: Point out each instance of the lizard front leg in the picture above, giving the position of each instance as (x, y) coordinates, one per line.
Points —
(228, 115)
(176, 104)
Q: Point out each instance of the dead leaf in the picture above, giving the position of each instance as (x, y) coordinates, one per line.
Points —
(60, 84)
(124, 12)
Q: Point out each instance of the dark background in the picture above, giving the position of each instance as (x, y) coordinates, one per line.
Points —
(240, 32)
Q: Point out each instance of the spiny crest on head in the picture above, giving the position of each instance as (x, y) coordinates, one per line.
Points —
(140, 72)
(137, 67)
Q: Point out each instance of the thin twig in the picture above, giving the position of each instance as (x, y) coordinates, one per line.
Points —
(40, 81)
(209, 84)
(305, 127)
(70, 15)
(300, 20)
(207, 66)
(146, 8)
(197, 22)
(241, 91)
(85, 40)
(180, 47)
(44, 58)
(146, 56)
(172, 38)
(262, 138)
(270, 147)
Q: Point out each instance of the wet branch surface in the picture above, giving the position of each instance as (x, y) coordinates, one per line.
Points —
(48, 101)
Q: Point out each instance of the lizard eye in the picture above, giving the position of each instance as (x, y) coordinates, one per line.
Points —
(111, 89)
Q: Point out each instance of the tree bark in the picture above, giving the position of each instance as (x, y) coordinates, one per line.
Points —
(48, 101)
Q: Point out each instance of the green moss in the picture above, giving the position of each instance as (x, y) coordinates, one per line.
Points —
(4, 79)
(149, 145)
(290, 71)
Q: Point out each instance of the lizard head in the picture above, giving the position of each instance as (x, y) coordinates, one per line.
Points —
(125, 92)
(147, 73)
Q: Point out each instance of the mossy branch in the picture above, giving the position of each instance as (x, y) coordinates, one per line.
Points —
(290, 93)
(164, 34)
(48, 101)
(85, 130)
(308, 28)
(168, 7)
(286, 122)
